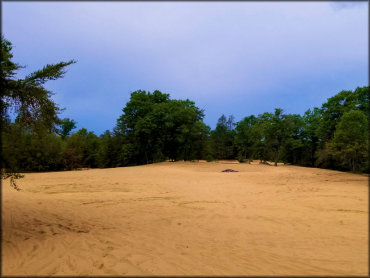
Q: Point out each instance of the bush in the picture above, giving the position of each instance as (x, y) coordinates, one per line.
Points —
(209, 158)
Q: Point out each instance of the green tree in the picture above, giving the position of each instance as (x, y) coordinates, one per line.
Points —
(350, 142)
(310, 134)
(109, 150)
(274, 132)
(27, 99)
(293, 145)
(154, 128)
(66, 126)
(81, 150)
(331, 113)
(179, 129)
(222, 138)
(136, 130)
(31, 151)
(246, 137)
(361, 99)
(336, 106)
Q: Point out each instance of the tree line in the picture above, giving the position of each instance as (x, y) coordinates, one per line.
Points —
(153, 128)
(333, 136)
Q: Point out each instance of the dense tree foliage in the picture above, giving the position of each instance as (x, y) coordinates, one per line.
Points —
(35, 112)
(350, 139)
(153, 127)
(156, 128)
(222, 139)
(27, 98)
(66, 126)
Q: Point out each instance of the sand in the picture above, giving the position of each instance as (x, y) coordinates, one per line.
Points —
(187, 218)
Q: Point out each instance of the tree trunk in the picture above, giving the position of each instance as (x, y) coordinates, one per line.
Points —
(353, 165)
(276, 158)
(313, 150)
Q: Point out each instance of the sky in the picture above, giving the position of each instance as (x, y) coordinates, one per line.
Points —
(232, 58)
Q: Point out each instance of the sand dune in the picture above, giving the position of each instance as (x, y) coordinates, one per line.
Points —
(187, 218)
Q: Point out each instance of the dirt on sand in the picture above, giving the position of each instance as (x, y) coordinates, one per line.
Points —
(187, 218)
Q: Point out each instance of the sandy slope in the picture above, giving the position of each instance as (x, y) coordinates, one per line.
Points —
(187, 219)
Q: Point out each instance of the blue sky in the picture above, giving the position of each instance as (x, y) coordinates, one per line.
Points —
(238, 58)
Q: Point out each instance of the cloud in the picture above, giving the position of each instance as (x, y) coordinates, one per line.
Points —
(340, 5)
(229, 57)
